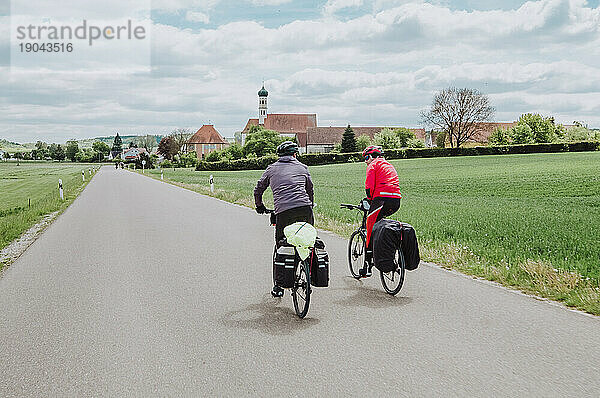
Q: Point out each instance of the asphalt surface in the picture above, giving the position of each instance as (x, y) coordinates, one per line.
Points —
(142, 288)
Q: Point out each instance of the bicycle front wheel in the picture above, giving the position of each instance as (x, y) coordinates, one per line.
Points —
(301, 290)
(356, 253)
(392, 281)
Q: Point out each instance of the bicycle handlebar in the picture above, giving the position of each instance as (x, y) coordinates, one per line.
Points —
(352, 207)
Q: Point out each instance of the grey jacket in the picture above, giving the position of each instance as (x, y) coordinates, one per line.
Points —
(290, 182)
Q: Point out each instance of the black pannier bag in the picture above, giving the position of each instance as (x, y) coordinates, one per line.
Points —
(319, 265)
(410, 247)
(284, 262)
(390, 235)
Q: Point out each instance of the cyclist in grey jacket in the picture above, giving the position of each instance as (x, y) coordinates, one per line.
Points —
(293, 194)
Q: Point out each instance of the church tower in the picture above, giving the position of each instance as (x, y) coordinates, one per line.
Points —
(262, 105)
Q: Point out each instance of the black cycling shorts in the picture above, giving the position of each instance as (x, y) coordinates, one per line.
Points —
(290, 216)
(390, 206)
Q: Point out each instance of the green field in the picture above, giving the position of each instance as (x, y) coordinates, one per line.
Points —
(529, 221)
(36, 182)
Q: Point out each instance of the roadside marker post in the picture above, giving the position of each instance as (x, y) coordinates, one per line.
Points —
(60, 189)
(161, 174)
(83, 175)
(212, 184)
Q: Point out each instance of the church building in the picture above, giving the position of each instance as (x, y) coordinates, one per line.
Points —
(287, 124)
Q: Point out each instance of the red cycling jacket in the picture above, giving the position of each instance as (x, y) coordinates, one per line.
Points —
(382, 180)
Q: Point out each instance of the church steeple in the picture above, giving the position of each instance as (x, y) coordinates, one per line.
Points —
(262, 104)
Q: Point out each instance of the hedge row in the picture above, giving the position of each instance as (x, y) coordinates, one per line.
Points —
(315, 159)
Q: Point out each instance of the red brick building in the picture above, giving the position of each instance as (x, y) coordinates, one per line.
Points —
(206, 140)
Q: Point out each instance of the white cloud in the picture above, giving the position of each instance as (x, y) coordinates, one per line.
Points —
(195, 16)
(333, 6)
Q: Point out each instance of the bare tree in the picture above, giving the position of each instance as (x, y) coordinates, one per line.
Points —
(458, 112)
(147, 141)
(181, 136)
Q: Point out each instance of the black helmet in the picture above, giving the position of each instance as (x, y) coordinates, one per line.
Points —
(287, 148)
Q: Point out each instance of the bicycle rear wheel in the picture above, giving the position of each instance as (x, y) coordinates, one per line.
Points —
(301, 290)
(392, 281)
(356, 253)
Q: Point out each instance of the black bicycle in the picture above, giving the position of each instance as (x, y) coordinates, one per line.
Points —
(360, 267)
(301, 289)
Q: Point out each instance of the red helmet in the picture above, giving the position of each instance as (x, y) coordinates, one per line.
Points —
(373, 151)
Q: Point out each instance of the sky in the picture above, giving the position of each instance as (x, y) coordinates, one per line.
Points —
(362, 62)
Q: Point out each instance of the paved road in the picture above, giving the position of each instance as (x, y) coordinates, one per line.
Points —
(142, 288)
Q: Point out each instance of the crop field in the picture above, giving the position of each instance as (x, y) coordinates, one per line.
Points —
(35, 183)
(528, 221)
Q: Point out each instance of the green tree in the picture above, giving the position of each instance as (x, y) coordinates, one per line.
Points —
(117, 144)
(52, 151)
(72, 150)
(581, 133)
(59, 153)
(500, 136)
(415, 143)
(86, 155)
(214, 156)
(101, 147)
(522, 134)
(404, 135)
(349, 140)
(362, 142)
(542, 128)
(261, 142)
(41, 150)
(387, 139)
(232, 152)
(189, 159)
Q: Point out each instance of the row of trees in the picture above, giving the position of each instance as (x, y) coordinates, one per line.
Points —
(534, 128)
(70, 151)
(387, 138)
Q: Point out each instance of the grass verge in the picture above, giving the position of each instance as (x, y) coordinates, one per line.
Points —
(529, 222)
(29, 191)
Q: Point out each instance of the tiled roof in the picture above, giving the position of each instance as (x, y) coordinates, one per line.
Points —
(251, 122)
(290, 122)
(207, 135)
(333, 135)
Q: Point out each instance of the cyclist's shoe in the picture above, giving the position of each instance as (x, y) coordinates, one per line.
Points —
(365, 272)
(277, 291)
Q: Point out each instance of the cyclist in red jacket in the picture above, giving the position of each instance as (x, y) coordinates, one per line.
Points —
(383, 190)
